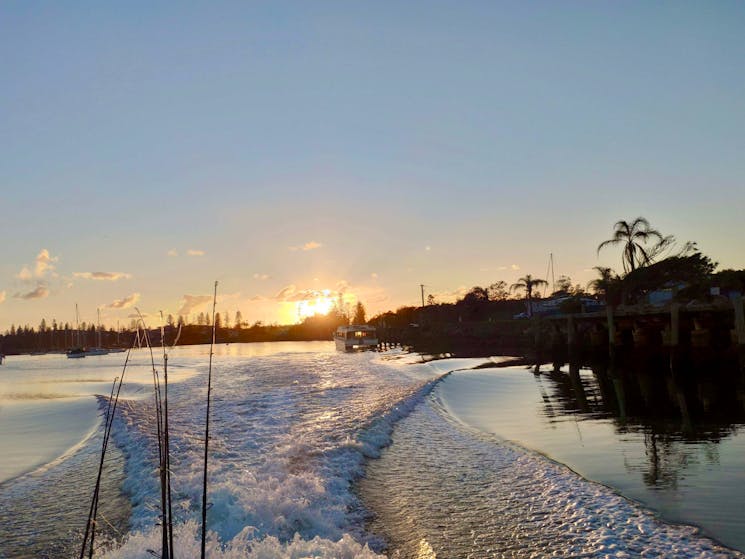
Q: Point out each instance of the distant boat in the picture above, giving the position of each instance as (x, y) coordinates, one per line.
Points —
(356, 337)
(79, 351)
(98, 350)
(75, 353)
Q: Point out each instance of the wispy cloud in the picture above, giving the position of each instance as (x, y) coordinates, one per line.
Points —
(102, 276)
(285, 293)
(128, 301)
(261, 277)
(44, 264)
(138, 315)
(291, 294)
(195, 252)
(2, 296)
(190, 303)
(40, 292)
(311, 245)
(514, 267)
(451, 296)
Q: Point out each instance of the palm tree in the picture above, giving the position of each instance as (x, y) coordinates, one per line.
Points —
(633, 236)
(527, 283)
(606, 283)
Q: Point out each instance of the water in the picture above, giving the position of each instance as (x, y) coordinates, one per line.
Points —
(300, 463)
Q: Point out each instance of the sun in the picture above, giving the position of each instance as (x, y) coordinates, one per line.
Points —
(321, 303)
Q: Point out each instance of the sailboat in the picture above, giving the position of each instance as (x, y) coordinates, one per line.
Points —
(98, 350)
(78, 351)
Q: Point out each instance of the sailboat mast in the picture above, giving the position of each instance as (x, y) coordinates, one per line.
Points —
(77, 325)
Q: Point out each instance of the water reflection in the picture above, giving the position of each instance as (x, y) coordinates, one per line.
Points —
(672, 403)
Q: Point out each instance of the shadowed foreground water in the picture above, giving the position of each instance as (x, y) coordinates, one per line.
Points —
(453, 485)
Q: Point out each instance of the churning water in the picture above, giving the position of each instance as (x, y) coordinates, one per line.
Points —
(301, 465)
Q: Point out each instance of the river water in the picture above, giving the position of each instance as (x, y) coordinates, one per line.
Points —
(326, 454)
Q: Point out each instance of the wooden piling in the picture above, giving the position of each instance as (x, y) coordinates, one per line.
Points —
(739, 320)
(674, 325)
(611, 331)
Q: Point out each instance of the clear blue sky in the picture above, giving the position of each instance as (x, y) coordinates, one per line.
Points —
(375, 146)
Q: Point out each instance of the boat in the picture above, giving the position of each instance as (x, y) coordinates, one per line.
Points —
(98, 350)
(78, 351)
(75, 353)
(356, 337)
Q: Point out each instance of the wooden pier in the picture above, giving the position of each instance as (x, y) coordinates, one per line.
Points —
(694, 330)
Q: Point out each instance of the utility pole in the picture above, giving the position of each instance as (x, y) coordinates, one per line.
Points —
(422, 287)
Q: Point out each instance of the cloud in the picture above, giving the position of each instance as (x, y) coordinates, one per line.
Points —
(190, 303)
(311, 245)
(173, 252)
(291, 294)
(44, 265)
(451, 296)
(2, 296)
(515, 267)
(262, 277)
(138, 315)
(285, 293)
(39, 293)
(102, 276)
(195, 252)
(128, 301)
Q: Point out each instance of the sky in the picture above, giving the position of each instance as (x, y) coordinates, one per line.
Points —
(297, 150)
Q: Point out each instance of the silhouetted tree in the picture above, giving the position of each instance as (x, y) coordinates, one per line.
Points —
(476, 295)
(634, 236)
(527, 283)
(563, 284)
(238, 320)
(607, 285)
(359, 313)
(498, 291)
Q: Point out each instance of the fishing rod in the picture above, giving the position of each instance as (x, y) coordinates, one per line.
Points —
(165, 554)
(166, 440)
(207, 429)
(90, 527)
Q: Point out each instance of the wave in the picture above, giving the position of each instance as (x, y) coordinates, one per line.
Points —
(290, 436)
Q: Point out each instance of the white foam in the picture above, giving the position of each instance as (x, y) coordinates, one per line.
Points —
(290, 434)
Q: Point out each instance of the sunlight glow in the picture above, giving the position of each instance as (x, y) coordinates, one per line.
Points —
(321, 303)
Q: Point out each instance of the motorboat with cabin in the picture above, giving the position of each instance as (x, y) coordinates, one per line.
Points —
(355, 337)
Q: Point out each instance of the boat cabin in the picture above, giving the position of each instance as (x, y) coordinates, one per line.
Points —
(355, 337)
